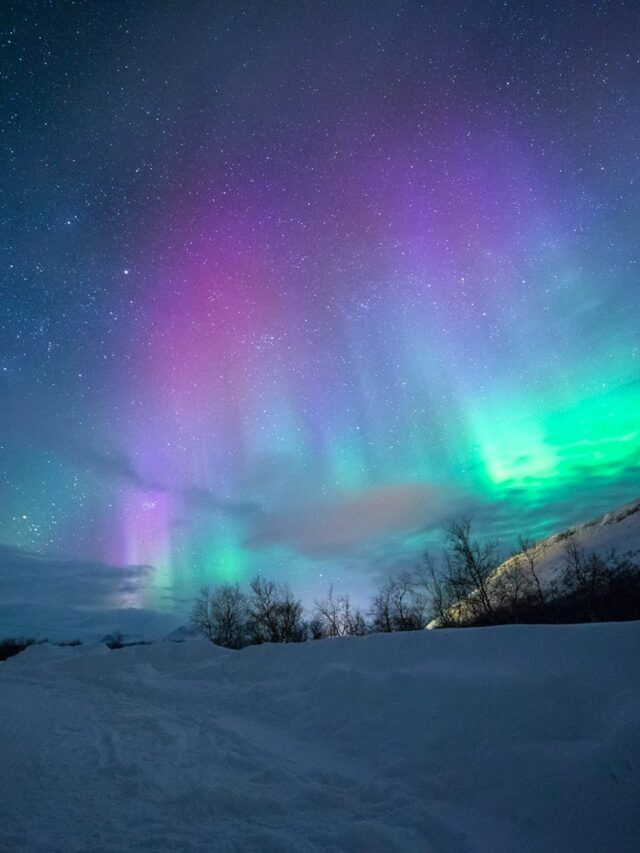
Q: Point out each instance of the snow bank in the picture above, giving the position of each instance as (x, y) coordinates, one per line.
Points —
(496, 739)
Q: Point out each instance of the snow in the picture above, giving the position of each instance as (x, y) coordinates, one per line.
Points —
(518, 738)
(618, 530)
(63, 599)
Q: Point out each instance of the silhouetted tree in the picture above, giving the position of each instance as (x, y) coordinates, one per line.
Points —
(470, 565)
(439, 594)
(528, 554)
(402, 604)
(275, 616)
(316, 628)
(335, 616)
(221, 615)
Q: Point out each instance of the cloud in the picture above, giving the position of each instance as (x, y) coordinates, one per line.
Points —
(63, 598)
(346, 523)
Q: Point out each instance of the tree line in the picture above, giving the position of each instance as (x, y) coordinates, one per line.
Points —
(470, 586)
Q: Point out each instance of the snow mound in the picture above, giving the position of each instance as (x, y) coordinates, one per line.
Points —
(518, 738)
(182, 633)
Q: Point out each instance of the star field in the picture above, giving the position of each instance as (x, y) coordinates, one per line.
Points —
(285, 286)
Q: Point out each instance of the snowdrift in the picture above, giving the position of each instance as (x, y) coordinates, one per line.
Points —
(495, 739)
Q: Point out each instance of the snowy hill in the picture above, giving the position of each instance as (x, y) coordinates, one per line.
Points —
(618, 530)
(512, 739)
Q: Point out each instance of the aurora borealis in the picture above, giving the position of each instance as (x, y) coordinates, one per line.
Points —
(287, 285)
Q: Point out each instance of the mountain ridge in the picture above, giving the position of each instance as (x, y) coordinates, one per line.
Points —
(616, 530)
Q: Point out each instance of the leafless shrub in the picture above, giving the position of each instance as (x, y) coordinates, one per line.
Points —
(221, 615)
(274, 615)
(402, 604)
(335, 616)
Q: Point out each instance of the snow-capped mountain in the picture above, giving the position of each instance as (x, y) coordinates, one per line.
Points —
(617, 530)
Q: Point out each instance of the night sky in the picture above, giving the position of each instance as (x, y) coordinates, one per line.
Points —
(286, 285)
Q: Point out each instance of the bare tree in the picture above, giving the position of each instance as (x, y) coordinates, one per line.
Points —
(586, 576)
(335, 616)
(516, 590)
(527, 550)
(439, 594)
(409, 603)
(316, 628)
(381, 609)
(221, 615)
(402, 604)
(291, 627)
(201, 617)
(275, 616)
(470, 566)
(460, 592)
(327, 614)
(355, 623)
(263, 618)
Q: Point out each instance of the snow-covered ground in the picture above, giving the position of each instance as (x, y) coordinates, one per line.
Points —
(509, 739)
